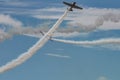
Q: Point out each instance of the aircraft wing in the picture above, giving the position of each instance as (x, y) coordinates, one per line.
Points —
(67, 3)
(77, 7)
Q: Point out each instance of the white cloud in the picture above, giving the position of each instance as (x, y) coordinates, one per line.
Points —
(8, 20)
(5, 31)
(4, 35)
(111, 46)
(17, 3)
(47, 16)
(53, 9)
(109, 25)
(58, 55)
(102, 78)
(88, 18)
(92, 19)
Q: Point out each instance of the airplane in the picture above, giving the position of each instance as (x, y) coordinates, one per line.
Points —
(73, 5)
(44, 34)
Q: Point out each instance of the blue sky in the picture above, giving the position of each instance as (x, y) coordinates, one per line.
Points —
(22, 20)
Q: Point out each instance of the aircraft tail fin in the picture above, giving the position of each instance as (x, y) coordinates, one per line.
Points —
(70, 9)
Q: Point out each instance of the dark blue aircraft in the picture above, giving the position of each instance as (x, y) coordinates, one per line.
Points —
(73, 5)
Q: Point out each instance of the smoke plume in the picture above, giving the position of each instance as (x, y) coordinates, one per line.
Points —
(22, 58)
(92, 43)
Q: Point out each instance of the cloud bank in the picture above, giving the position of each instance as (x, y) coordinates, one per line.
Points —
(87, 19)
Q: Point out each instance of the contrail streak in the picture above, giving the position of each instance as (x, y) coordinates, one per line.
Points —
(22, 58)
(58, 55)
(94, 42)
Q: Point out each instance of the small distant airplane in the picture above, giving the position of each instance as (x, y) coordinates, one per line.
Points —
(44, 34)
(73, 5)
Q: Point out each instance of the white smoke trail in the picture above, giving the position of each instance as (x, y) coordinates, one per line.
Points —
(58, 55)
(22, 58)
(94, 42)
